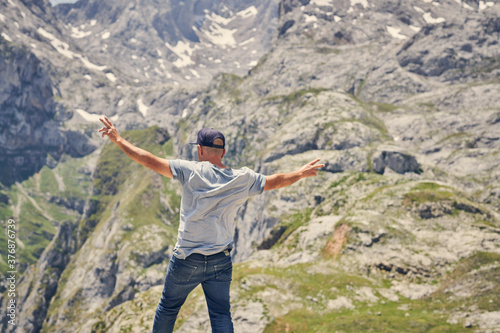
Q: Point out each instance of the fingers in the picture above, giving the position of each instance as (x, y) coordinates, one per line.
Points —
(315, 161)
(108, 121)
(104, 123)
(318, 166)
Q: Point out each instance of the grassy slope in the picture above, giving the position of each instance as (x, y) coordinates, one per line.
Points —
(131, 193)
(297, 297)
(38, 217)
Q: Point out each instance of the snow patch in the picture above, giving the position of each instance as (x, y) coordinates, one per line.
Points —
(219, 19)
(6, 37)
(252, 63)
(106, 35)
(142, 107)
(250, 11)
(217, 34)
(337, 18)
(88, 77)
(121, 102)
(430, 20)
(77, 33)
(92, 117)
(418, 9)
(195, 73)
(484, 5)
(2, 17)
(184, 52)
(247, 41)
(111, 77)
(90, 65)
(395, 32)
(466, 6)
(310, 18)
(63, 48)
(322, 2)
(93, 22)
(414, 28)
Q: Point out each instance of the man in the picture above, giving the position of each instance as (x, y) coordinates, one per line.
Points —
(211, 196)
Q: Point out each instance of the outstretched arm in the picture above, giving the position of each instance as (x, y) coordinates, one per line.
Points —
(139, 155)
(279, 180)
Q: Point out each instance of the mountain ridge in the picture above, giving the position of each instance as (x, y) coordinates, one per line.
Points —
(400, 231)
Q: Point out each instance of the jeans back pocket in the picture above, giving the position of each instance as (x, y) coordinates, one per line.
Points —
(224, 271)
(180, 271)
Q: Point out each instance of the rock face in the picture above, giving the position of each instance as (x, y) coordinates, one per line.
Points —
(43, 281)
(184, 42)
(29, 130)
(399, 99)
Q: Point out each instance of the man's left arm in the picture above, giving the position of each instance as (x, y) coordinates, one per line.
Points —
(137, 154)
(280, 180)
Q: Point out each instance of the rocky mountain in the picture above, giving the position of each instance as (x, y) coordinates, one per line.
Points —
(31, 120)
(400, 232)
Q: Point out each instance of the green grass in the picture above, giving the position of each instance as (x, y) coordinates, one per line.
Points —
(228, 86)
(48, 182)
(295, 96)
(385, 107)
(292, 222)
(428, 192)
(328, 50)
(297, 281)
(381, 318)
(479, 273)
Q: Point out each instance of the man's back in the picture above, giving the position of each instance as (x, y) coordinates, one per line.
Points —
(211, 197)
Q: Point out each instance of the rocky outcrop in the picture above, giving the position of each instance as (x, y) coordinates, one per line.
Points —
(396, 161)
(29, 130)
(455, 52)
(186, 42)
(39, 283)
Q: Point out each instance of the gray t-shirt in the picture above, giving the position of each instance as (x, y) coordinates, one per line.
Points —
(211, 197)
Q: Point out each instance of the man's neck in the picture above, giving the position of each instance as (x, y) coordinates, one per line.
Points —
(216, 162)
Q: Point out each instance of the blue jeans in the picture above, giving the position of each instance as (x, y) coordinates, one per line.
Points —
(214, 272)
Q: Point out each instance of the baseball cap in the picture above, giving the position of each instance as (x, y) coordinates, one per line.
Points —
(207, 136)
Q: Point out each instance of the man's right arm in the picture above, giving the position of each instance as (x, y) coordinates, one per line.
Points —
(280, 180)
(141, 156)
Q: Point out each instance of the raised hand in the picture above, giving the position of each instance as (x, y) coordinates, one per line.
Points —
(310, 169)
(109, 129)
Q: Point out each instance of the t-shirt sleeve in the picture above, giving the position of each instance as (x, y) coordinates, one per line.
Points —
(181, 170)
(257, 183)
